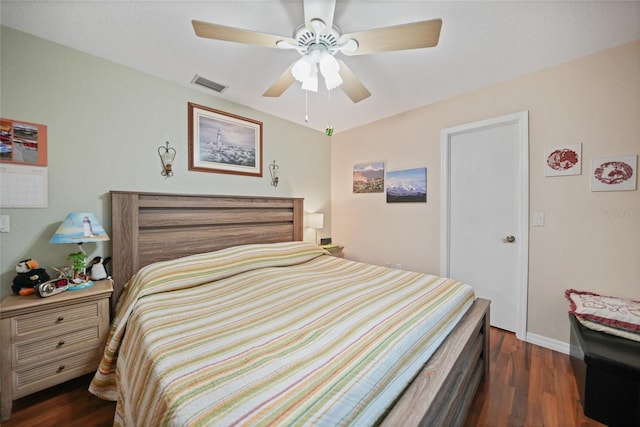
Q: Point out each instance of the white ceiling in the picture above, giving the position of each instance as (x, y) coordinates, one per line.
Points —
(481, 43)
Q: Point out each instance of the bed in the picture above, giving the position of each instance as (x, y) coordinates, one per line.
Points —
(229, 319)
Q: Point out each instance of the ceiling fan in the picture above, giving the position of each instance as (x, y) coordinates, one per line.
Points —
(317, 40)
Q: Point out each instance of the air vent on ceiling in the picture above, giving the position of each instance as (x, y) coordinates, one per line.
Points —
(208, 83)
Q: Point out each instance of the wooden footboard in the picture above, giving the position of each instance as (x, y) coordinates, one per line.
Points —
(443, 391)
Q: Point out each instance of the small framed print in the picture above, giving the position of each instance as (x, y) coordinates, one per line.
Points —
(563, 160)
(224, 143)
(614, 173)
(409, 185)
(368, 177)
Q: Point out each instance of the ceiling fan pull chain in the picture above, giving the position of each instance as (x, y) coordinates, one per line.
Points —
(306, 106)
(329, 129)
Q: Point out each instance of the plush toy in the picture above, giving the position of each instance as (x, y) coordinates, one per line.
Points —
(29, 275)
(97, 268)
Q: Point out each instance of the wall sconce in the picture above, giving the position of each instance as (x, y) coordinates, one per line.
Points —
(274, 169)
(167, 154)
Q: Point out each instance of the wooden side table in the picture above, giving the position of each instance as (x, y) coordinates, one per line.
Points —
(336, 251)
(46, 341)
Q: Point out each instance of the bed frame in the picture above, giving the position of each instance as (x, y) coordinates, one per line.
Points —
(151, 227)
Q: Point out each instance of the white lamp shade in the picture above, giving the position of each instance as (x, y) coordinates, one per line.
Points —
(311, 82)
(167, 157)
(79, 227)
(330, 69)
(332, 80)
(315, 220)
(305, 70)
(301, 70)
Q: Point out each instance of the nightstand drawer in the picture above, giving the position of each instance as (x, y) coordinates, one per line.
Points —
(40, 321)
(29, 352)
(54, 372)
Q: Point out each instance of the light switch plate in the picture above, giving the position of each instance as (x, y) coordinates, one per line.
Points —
(4, 223)
(538, 219)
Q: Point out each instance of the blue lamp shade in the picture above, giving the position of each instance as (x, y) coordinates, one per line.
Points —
(79, 227)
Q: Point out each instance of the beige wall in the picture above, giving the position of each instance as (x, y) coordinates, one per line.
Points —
(591, 240)
(105, 122)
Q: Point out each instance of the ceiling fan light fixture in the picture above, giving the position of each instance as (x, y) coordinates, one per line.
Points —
(302, 68)
(317, 38)
(328, 64)
(330, 69)
(311, 82)
(332, 80)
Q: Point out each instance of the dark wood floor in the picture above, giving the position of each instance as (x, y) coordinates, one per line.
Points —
(528, 386)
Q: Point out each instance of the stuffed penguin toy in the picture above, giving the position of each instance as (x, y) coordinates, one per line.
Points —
(29, 275)
(97, 268)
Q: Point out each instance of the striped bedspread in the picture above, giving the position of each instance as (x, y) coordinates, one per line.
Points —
(276, 334)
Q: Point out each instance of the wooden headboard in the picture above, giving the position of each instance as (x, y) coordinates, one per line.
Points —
(151, 227)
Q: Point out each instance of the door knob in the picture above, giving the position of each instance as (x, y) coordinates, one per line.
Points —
(510, 238)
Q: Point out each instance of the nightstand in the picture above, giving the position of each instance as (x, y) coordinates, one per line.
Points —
(46, 341)
(336, 251)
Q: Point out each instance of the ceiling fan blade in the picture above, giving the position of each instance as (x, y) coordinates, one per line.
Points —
(351, 86)
(282, 84)
(238, 35)
(319, 9)
(400, 37)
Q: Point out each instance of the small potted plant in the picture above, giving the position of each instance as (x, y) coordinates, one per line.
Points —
(78, 260)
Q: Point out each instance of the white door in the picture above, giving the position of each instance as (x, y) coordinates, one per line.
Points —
(485, 214)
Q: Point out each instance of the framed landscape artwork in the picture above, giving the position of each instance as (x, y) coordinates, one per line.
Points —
(368, 177)
(224, 143)
(406, 186)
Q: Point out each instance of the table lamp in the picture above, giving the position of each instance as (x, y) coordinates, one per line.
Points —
(79, 228)
(315, 221)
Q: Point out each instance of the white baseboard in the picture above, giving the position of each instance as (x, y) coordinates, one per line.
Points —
(549, 343)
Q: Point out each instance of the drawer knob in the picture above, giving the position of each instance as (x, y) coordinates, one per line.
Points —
(60, 343)
(60, 319)
(61, 368)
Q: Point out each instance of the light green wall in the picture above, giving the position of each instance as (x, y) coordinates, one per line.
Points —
(105, 122)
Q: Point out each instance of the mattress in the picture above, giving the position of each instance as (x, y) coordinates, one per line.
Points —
(275, 334)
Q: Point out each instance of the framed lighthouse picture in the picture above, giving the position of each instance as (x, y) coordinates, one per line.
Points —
(221, 142)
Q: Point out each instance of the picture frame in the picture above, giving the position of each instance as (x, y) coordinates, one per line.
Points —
(563, 160)
(222, 142)
(23, 143)
(407, 186)
(614, 173)
(368, 177)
